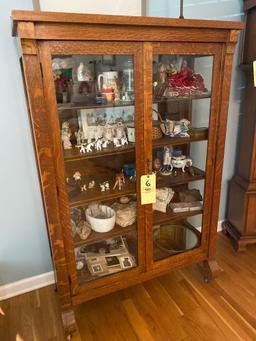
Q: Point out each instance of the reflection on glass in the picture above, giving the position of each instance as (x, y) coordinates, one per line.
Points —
(180, 120)
(95, 97)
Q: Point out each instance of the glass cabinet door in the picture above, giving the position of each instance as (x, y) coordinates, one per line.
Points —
(95, 97)
(181, 108)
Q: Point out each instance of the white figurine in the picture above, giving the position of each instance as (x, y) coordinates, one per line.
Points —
(102, 187)
(83, 74)
(167, 159)
(116, 142)
(91, 184)
(65, 135)
(124, 141)
(82, 149)
(79, 137)
(105, 144)
(83, 188)
(89, 147)
(77, 176)
(106, 184)
(98, 144)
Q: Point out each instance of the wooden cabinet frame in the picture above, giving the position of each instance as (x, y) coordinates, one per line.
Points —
(45, 34)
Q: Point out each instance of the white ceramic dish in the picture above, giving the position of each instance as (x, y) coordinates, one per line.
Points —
(102, 225)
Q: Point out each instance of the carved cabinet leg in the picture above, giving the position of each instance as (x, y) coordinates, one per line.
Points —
(69, 323)
(210, 269)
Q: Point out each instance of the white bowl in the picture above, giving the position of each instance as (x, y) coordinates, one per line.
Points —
(99, 224)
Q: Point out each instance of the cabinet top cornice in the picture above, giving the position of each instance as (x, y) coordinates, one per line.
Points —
(78, 18)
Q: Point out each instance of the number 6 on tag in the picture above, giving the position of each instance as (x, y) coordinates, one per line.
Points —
(148, 189)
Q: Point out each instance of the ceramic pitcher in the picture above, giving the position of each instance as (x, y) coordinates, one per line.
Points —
(108, 79)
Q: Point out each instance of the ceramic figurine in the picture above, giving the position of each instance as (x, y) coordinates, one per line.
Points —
(102, 187)
(181, 162)
(65, 135)
(83, 188)
(77, 177)
(91, 184)
(79, 137)
(120, 180)
(167, 168)
(98, 144)
(67, 180)
(82, 149)
(105, 144)
(107, 187)
(83, 73)
(89, 147)
(124, 141)
(116, 142)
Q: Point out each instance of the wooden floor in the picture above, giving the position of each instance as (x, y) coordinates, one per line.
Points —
(177, 306)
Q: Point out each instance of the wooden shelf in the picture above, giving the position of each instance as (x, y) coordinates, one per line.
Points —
(181, 178)
(74, 153)
(183, 98)
(95, 237)
(72, 106)
(170, 216)
(77, 198)
(175, 141)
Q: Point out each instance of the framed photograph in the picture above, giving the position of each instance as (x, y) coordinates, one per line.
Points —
(97, 268)
(126, 262)
(108, 59)
(112, 261)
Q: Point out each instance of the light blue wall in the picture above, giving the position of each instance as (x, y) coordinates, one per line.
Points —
(219, 10)
(24, 249)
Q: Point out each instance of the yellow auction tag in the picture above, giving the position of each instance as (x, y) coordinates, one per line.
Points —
(148, 189)
(254, 72)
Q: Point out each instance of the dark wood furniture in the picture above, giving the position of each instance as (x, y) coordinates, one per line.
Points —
(145, 45)
(241, 217)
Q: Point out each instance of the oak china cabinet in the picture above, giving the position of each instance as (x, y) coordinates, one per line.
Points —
(129, 122)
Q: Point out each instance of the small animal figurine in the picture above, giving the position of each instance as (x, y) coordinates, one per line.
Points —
(124, 141)
(116, 142)
(91, 184)
(77, 177)
(105, 144)
(98, 144)
(82, 149)
(120, 180)
(83, 188)
(102, 187)
(106, 183)
(89, 147)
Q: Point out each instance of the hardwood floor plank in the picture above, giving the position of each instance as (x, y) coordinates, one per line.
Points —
(179, 306)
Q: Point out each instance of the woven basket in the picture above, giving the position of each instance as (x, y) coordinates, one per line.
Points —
(156, 131)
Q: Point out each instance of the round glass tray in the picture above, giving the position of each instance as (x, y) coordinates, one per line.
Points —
(175, 238)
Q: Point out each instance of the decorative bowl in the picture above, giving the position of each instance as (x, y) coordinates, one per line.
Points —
(102, 224)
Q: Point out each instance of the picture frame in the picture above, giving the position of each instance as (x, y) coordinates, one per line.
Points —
(97, 268)
(126, 262)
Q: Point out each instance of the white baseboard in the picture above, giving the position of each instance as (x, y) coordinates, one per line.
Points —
(26, 285)
(219, 227)
(36, 282)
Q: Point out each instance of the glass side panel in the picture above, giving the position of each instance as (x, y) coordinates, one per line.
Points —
(95, 99)
(180, 120)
